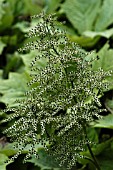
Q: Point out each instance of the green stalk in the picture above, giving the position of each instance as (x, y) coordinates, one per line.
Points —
(90, 150)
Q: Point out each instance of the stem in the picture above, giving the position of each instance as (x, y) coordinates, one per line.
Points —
(90, 150)
(90, 160)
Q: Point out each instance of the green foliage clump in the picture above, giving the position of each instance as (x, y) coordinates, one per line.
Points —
(14, 23)
(90, 20)
(64, 96)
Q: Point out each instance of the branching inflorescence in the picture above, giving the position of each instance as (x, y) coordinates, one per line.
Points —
(63, 98)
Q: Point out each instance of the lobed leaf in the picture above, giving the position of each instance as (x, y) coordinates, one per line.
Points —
(81, 14)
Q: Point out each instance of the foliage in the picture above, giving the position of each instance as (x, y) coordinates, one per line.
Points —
(80, 15)
(106, 122)
(14, 19)
(2, 159)
(91, 19)
(13, 88)
(52, 110)
(14, 24)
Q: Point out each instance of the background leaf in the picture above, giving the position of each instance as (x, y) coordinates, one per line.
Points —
(107, 33)
(52, 5)
(81, 13)
(14, 88)
(3, 158)
(7, 16)
(105, 58)
(106, 159)
(83, 40)
(106, 122)
(105, 17)
(45, 161)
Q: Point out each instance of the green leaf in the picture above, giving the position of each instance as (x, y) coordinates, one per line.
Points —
(105, 159)
(33, 7)
(23, 26)
(105, 17)
(105, 61)
(106, 122)
(27, 59)
(14, 88)
(92, 134)
(7, 17)
(97, 151)
(81, 14)
(10, 151)
(44, 161)
(14, 62)
(106, 164)
(52, 5)
(2, 45)
(109, 105)
(106, 58)
(3, 158)
(92, 34)
(99, 148)
(12, 40)
(1, 10)
(83, 40)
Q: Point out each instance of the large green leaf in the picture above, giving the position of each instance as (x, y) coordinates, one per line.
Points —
(105, 61)
(81, 13)
(45, 161)
(23, 26)
(105, 159)
(105, 17)
(105, 58)
(7, 17)
(52, 5)
(109, 105)
(33, 7)
(14, 88)
(83, 40)
(92, 34)
(106, 122)
(99, 148)
(26, 7)
(3, 158)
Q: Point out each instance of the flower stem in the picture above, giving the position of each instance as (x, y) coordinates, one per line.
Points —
(90, 150)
